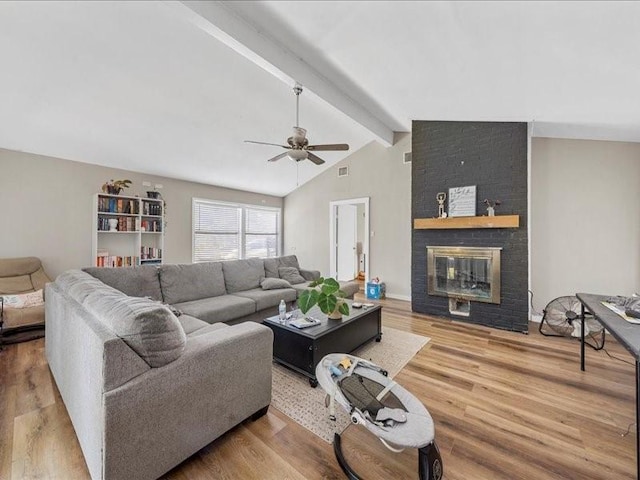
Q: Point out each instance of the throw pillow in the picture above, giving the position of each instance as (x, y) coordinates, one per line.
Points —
(291, 275)
(274, 283)
(24, 300)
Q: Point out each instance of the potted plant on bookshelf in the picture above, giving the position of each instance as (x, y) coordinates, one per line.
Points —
(114, 187)
(326, 293)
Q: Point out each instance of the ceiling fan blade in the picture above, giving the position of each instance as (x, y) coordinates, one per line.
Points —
(265, 143)
(278, 157)
(334, 146)
(315, 159)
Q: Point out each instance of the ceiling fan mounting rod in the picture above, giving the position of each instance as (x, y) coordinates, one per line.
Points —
(297, 89)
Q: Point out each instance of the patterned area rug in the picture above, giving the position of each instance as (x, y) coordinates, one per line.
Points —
(292, 395)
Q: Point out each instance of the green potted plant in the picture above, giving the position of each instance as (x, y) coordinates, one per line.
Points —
(326, 293)
(114, 187)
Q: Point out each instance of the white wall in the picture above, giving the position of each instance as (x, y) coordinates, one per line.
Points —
(376, 172)
(585, 218)
(47, 208)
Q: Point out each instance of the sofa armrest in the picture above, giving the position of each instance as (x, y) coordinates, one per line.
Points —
(310, 274)
(170, 412)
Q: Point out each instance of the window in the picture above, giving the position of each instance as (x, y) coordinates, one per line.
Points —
(224, 231)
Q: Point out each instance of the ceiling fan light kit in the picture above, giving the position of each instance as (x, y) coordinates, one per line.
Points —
(298, 143)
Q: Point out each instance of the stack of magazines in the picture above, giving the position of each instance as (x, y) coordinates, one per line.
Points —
(305, 322)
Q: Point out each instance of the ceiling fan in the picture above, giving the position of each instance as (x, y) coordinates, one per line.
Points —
(298, 144)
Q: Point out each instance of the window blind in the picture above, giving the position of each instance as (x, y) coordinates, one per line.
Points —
(261, 232)
(216, 232)
(228, 232)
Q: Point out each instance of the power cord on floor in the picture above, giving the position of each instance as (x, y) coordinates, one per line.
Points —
(617, 358)
(533, 310)
(628, 429)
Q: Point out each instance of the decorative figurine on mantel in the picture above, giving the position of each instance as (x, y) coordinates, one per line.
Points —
(491, 206)
(441, 197)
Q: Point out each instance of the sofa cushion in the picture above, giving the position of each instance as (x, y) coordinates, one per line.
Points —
(148, 327)
(271, 265)
(191, 324)
(140, 281)
(242, 275)
(218, 309)
(349, 288)
(209, 328)
(271, 268)
(300, 287)
(274, 283)
(268, 298)
(79, 285)
(15, 267)
(22, 317)
(18, 284)
(291, 275)
(187, 282)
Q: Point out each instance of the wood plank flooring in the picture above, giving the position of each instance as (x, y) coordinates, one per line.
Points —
(506, 406)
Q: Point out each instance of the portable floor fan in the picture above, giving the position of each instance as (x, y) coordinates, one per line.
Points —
(562, 319)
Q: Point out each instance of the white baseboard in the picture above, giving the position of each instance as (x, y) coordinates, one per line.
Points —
(399, 297)
(536, 318)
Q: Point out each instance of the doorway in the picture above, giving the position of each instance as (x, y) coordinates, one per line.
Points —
(349, 239)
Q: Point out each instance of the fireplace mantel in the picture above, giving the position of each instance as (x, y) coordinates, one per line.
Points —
(499, 221)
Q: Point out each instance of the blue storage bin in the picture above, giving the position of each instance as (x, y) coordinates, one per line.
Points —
(376, 291)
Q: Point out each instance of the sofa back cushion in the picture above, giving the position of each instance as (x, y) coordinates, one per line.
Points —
(187, 282)
(140, 281)
(240, 275)
(291, 275)
(271, 265)
(148, 327)
(18, 284)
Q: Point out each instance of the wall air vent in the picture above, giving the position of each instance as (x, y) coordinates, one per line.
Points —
(343, 171)
(407, 157)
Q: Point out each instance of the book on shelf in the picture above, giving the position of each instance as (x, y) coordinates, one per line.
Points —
(151, 225)
(113, 261)
(150, 253)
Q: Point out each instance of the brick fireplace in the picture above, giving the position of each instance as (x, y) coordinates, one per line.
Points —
(493, 157)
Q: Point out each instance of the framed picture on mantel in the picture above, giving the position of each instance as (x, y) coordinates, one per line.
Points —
(462, 201)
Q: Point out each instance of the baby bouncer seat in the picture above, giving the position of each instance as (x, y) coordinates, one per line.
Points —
(383, 407)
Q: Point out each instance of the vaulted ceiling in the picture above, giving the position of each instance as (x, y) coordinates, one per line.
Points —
(174, 88)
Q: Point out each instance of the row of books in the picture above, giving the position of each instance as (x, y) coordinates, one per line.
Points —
(151, 225)
(125, 224)
(150, 253)
(113, 261)
(117, 205)
(149, 208)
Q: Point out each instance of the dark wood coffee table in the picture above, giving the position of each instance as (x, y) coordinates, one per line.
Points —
(302, 349)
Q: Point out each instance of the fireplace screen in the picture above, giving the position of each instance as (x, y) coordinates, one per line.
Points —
(471, 273)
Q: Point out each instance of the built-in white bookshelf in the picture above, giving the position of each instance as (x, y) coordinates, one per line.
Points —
(127, 231)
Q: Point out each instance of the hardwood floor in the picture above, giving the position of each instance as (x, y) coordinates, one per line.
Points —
(506, 406)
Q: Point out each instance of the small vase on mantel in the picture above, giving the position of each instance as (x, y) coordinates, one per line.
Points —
(491, 212)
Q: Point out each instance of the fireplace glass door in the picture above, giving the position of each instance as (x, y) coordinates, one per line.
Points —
(470, 273)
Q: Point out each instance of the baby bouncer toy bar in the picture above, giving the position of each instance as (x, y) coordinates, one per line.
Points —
(383, 407)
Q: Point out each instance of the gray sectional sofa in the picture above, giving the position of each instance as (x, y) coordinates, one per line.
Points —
(154, 363)
(231, 292)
